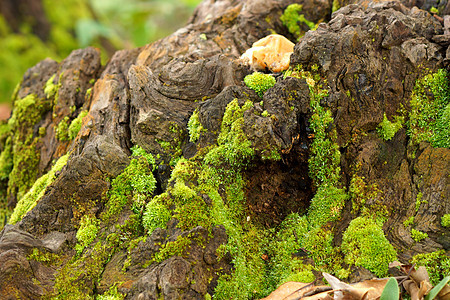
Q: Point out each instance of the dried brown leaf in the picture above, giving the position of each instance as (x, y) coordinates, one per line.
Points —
(412, 289)
(444, 294)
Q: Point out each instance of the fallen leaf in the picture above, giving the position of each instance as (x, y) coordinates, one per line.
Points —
(272, 52)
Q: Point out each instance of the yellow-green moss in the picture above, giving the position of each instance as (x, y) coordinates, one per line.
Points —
(259, 82)
(62, 133)
(175, 248)
(417, 235)
(156, 214)
(75, 125)
(387, 129)
(86, 233)
(195, 128)
(291, 19)
(429, 118)
(26, 114)
(445, 220)
(32, 197)
(134, 186)
(365, 245)
(437, 264)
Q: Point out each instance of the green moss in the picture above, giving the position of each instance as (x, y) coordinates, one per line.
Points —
(86, 233)
(408, 221)
(43, 256)
(259, 82)
(195, 128)
(445, 220)
(336, 5)
(156, 214)
(429, 118)
(134, 186)
(291, 19)
(175, 248)
(437, 264)
(419, 201)
(365, 245)
(418, 235)
(387, 129)
(326, 205)
(32, 197)
(111, 294)
(51, 89)
(26, 114)
(62, 130)
(6, 159)
(75, 125)
(319, 244)
(324, 161)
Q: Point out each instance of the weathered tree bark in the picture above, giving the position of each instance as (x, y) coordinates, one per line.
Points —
(370, 55)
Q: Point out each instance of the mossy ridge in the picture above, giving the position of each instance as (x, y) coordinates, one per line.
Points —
(32, 197)
(429, 117)
(26, 114)
(130, 189)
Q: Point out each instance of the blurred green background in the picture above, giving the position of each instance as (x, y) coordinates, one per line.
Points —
(31, 30)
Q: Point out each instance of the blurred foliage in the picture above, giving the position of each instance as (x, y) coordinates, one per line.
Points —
(106, 24)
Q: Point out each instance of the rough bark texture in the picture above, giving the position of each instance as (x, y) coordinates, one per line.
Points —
(370, 55)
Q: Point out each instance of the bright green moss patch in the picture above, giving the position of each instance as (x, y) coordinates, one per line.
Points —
(259, 82)
(195, 127)
(326, 205)
(31, 198)
(291, 19)
(86, 233)
(429, 118)
(437, 264)
(387, 129)
(75, 125)
(134, 186)
(62, 133)
(156, 214)
(445, 220)
(6, 159)
(417, 235)
(365, 245)
(324, 161)
(408, 221)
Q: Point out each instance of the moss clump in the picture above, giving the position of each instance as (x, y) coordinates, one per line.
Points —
(365, 245)
(259, 82)
(195, 128)
(408, 221)
(31, 198)
(437, 264)
(75, 125)
(291, 19)
(445, 220)
(62, 132)
(387, 129)
(156, 214)
(418, 235)
(429, 118)
(326, 205)
(134, 186)
(86, 233)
